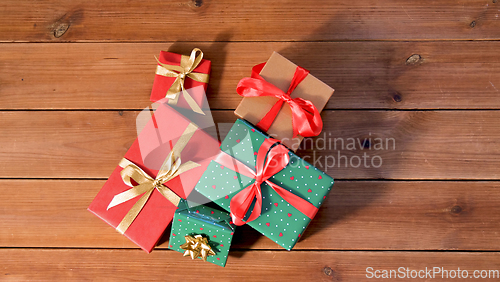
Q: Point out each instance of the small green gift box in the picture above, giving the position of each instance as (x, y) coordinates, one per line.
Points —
(289, 196)
(202, 224)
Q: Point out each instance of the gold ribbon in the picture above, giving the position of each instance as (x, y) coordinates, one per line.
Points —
(197, 246)
(187, 65)
(171, 167)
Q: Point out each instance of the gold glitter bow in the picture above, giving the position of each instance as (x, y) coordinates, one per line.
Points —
(170, 168)
(197, 246)
(187, 65)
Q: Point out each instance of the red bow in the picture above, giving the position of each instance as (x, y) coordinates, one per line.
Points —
(276, 160)
(306, 120)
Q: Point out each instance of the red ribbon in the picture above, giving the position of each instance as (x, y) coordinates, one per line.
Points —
(277, 159)
(306, 120)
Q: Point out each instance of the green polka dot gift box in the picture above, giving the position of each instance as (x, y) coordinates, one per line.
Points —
(212, 224)
(289, 190)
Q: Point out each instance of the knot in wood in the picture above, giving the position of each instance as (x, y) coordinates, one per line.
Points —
(413, 59)
(397, 98)
(61, 29)
(328, 271)
(456, 209)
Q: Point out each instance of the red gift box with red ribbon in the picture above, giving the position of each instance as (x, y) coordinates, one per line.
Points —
(283, 100)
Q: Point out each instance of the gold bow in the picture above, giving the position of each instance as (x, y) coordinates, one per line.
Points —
(197, 246)
(187, 65)
(170, 168)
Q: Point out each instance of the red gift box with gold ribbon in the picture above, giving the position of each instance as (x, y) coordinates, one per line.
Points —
(162, 166)
(175, 74)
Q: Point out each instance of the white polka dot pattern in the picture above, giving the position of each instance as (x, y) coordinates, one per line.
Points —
(279, 220)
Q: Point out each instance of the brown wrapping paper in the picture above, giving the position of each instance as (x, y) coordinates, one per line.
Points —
(279, 71)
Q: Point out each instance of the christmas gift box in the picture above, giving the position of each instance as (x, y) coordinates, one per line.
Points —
(265, 185)
(283, 100)
(204, 122)
(177, 73)
(202, 232)
(161, 167)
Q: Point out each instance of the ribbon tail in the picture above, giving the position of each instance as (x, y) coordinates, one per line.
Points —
(241, 202)
(129, 194)
(257, 209)
(133, 212)
(191, 102)
(173, 92)
(306, 118)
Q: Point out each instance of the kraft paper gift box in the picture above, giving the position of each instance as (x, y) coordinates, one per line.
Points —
(202, 222)
(285, 210)
(279, 71)
(176, 73)
(141, 195)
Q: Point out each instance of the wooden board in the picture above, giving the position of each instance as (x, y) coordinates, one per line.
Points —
(365, 75)
(423, 76)
(117, 265)
(404, 144)
(357, 215)
(261, 20)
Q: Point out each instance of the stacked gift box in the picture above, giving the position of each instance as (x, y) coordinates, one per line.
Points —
(253, 175)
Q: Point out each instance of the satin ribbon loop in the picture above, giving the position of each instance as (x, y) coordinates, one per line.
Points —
(186, 68)
(306, 120)
(270, 160)
(171, 168)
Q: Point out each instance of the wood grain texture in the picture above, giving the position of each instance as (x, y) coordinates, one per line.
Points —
(208, 20)
(410, 144)
(119, 265)
(423, 76)
(365, 75)
(357, 215)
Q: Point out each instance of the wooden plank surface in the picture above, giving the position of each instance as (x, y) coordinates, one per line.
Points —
(366, 75)
(423, 76)
(260, 20)
(404, 144)
(357, 215)
(119, 265)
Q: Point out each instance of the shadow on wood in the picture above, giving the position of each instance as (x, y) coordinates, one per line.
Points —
(355, 146)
